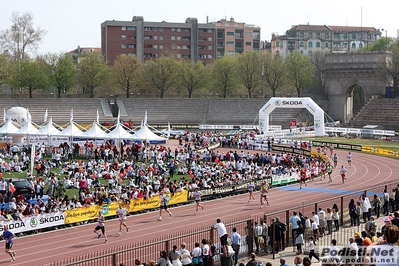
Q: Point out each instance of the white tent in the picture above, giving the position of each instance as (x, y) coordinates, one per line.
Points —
(95, 132)
(27, 129)
(72, 131)
(119, 132)
(47, 130)
(8, 127)
(145, 134)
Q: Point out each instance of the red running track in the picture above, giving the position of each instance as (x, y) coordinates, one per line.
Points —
(366, 171)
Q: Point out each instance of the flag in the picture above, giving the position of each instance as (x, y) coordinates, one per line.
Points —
(71, 115)
(168, 130)
(145, 118)
(45, 116)
(98, 118)
(4, 116)
(118, 120)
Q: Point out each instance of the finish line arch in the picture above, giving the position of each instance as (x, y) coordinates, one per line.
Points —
(303, 102)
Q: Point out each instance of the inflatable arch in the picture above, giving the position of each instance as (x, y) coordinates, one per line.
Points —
(304, 102)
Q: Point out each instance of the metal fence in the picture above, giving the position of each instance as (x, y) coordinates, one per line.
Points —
(150, 249)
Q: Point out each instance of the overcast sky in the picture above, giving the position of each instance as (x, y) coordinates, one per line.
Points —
(70, 23)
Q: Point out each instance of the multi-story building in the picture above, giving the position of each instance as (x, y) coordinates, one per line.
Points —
(79, 51)
(310, 38)
(190, 40)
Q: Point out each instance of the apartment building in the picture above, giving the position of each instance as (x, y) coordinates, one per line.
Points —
(189, 40)
(310, 38)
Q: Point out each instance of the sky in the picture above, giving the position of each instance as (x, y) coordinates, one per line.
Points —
(70, 23)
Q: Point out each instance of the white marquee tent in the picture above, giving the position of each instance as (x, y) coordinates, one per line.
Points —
(8, 127)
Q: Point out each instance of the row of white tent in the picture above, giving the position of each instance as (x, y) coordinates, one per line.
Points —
(96, 131)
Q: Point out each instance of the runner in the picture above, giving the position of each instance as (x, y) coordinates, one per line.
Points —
(3, 189)
(122, 213)
(349, 159)
(251, 187)
(264, 189)
(335, 159)
(164, 201)
(101, 226)
(329, 172)
(331, 150)
(312, 171)
(302, 174)
(342, 171)
(323, 169)
(197, 197)
(8, 236)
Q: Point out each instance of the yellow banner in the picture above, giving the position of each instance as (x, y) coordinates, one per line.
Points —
(90, 213)
(380, 151)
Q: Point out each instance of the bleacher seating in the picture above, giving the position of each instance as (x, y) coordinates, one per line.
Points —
(381, 112)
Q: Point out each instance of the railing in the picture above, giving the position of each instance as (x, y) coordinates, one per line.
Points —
(149, 249)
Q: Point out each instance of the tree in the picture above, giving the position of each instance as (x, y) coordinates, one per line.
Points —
(93, 72)
(63, 72)
(127, 71)
(224, 74)
(249, 71)
(300, 71)
(193, 75)
(319, 63)
(22, 37)
(162, 73)
(273, 71)
(5, 68)
(31, 75)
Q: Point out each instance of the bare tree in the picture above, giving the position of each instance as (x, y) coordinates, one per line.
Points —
(21, 37)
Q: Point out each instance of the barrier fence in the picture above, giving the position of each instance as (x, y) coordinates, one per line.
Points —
(149, 249)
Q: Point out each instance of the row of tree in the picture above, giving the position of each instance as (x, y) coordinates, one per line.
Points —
(242, 73)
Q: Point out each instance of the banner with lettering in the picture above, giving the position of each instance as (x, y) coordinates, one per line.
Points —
(81, 214)
(35, 222)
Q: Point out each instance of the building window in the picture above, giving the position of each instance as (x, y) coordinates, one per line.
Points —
(161, 38)
(202, 56)
(123, 37)
(123, 46)
(317, 44)
(178, 30)
(369, 36)
(210, 47)
(301, 34)
(209, 30)
(147, 28)
(230, 33)
(326, 44)
(277, 44)
(123, 27)
(147, 55)
(336, 44)
(161, 46)
(186, 46)
(318, 35)
(178, 55)
(209, 56)
(354, 36)
(248, 34)
(155, 38)
(133, 37)
(336, 35)
(173, 38)
(155, 55)
(353, 45)
(310, 53)
(301, 44)
(155, 29)
(310, 34)
(201, 47)
(256, 36)
(360, 37)
(326, 35)
(230, 43)
(173, 29)
(230, 52)
(360, 45)
(310, 44)
(147, 37)
(178, 47)
(209, 39)
(147, 46)
(178, 38)
(160, 29)
(155, 46)
(345, 35)
(345, 45)
(131, 28)
(247, 43)
(131, 46)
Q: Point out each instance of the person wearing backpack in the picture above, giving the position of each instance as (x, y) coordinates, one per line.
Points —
(257, 234)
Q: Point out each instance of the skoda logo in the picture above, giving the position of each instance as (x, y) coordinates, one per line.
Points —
(317, 125)
(277, 102)
(105, 210)
(33, 222)
(22, 120)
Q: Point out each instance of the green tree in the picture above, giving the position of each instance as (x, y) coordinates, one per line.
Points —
(319, 62)
(162, 73)
(300, 71)
(224, 74)
(193, 76)
(63, 73)
(21, 37)
(273, 71)
(31, 75)
(93, 72)
(5, 68)
(382, 44)
(249, 71)
(127, 72)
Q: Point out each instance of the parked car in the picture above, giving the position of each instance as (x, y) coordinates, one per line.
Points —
(22, 187)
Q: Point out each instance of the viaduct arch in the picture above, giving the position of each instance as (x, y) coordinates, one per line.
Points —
(344, 72)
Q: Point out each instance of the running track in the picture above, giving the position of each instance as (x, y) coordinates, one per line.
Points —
(48, 247)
